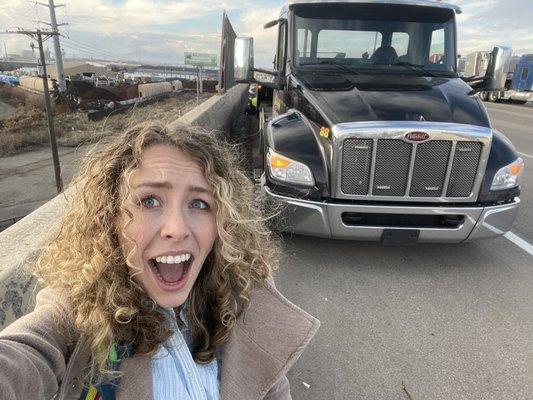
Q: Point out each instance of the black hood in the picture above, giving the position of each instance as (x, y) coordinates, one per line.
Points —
(393, 98)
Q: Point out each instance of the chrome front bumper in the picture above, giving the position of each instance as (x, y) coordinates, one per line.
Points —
(325, 220)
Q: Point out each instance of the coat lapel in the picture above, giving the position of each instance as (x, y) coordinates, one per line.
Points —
(136, 383)
(267, 341)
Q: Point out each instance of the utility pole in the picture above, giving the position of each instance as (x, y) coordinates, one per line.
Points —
(38, 35)
(197, 85)
(201, 78)
(57, 48)
(48, 105)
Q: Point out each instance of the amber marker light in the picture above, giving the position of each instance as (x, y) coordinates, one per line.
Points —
(277, 161)
(516, 168)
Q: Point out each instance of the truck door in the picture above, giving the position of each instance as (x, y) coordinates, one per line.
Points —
(279, 106)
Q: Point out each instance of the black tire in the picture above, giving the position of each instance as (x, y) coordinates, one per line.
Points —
(483, 95)
(493, 97)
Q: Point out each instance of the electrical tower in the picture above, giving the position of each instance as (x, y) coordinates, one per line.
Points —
(57, 48)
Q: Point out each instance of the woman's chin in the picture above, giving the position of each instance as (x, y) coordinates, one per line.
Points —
(170, 300)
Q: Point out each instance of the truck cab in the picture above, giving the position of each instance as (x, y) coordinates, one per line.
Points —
(372, 135)
(522, 86)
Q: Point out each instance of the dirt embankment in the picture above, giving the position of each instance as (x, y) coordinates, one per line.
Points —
(27, 129)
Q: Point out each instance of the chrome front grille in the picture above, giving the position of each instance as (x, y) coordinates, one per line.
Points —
(358, 155)
(391, 168)
(462, 176)
(384, 168)
(429, 173)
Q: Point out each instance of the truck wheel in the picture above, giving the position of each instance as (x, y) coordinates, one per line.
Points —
(483, 95)
(493, 97)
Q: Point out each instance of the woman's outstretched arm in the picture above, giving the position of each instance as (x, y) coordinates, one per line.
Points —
(33, 351)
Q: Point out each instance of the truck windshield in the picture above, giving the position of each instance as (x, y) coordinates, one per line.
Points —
(375, 38)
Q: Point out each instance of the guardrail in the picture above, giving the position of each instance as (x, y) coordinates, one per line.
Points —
(21, 242)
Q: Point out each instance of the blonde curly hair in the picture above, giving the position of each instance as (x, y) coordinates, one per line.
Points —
(85, 264)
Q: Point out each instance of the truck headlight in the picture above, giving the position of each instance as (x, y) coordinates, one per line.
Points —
(508, 176)
(285, 169)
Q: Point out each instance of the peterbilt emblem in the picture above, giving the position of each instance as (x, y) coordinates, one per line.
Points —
(417, 136)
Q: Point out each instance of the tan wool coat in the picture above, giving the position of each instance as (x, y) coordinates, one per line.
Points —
(41, 358)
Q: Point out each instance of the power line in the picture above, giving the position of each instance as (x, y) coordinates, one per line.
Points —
(79, 44)
(86, 51)
(22, 17)
(90, 47)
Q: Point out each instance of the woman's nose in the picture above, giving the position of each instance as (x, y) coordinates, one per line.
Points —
(175, 226)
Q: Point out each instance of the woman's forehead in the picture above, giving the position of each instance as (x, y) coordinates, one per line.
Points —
(165, 162)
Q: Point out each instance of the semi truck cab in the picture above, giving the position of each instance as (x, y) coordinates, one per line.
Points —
(372, 135)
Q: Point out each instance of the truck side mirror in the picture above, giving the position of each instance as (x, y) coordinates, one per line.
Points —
(272, 23)
(244, 59)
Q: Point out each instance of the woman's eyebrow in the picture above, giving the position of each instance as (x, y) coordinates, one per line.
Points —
(200, 189)
(162, 185)
(168, 185)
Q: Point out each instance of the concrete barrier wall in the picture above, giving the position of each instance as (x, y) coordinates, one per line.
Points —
(21, 243)
(212, 113)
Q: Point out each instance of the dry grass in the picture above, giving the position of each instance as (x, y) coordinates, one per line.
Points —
(27, 129)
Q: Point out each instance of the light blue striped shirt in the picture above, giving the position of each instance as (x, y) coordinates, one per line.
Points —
(175, 374)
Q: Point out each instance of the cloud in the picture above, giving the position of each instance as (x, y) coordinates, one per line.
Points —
(251, 24)
(486, 23)
(161, 30)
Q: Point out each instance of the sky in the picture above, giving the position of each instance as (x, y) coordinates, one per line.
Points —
(160, 31)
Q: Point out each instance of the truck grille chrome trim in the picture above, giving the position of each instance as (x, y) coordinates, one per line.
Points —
(373, 161)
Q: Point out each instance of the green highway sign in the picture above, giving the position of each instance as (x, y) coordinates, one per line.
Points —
(201, 59)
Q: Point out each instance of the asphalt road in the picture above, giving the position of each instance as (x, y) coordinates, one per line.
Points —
(27, 180)
(428, 322)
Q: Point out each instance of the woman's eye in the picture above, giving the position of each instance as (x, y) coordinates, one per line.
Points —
(199, 204)
(150, 202)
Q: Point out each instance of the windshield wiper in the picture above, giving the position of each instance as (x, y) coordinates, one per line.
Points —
(330, 62)
(419, 67)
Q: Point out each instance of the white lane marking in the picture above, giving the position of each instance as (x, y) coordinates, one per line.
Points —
(519, 242)
(524, 154)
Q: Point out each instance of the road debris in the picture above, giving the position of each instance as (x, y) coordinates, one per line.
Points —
(406, 391)
(307, 386)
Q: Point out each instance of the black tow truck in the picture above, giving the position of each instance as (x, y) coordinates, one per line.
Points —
(370, 133)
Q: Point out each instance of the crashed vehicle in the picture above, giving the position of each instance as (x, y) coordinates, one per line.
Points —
(371, 134)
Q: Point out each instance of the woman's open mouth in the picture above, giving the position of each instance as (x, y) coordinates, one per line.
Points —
(171, 272)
